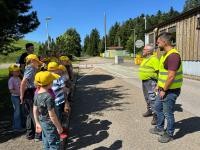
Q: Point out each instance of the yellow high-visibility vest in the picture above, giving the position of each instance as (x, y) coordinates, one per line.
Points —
(148, 68)
(163, 73)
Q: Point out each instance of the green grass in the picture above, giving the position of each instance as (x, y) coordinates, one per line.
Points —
(3, 73)
(5, 102)
(21, 43)
(12, 57)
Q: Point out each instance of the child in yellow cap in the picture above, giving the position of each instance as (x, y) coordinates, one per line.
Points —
(58, 87)
(67, 63)
(65, 77)
(63, 72)
(27, 90)
(45, 117)
(14, 88)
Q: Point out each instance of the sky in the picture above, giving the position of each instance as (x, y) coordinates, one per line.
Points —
(85, 15)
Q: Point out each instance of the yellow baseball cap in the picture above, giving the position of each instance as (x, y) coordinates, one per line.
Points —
(33, 57)
(13, 67)
(54, 59)
(44, 78)
(64, 58)
(62, 67)
(45, 59)
(52, 66)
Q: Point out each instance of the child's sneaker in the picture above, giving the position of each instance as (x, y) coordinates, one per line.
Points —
(37, 140)
(38, 137)
(165, 138)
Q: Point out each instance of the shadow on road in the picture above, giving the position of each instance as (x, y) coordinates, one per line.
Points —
(89, 100)
(6, 132)
(115, 146)
(178, 108)
(187, 126)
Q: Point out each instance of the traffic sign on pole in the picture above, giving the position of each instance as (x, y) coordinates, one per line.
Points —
(139, 43)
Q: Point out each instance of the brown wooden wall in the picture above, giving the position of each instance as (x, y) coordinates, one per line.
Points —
(187, 37)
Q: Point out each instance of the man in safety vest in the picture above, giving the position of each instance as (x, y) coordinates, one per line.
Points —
(148, 73)
(170, 80)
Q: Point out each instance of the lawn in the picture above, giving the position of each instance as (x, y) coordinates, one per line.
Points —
(12, 57)
(5, 102)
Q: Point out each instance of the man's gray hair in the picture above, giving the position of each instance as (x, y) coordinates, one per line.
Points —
(151, 47)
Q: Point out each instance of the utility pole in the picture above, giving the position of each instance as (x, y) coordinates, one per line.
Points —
(105, 29)
(47, 19)
(134, 44)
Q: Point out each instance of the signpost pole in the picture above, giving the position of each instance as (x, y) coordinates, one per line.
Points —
(134, 44)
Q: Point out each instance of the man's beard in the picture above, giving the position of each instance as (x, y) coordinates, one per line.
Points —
(161, 48)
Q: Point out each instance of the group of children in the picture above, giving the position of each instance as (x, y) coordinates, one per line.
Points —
(44, 91)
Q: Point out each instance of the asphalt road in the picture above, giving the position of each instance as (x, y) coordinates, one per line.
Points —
(107, 112)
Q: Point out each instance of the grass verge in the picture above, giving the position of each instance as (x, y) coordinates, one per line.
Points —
(5, 102)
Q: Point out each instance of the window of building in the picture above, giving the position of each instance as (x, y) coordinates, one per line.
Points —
(173, 31)
(151, 38)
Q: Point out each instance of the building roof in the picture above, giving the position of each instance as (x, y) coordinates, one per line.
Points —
(179, 17)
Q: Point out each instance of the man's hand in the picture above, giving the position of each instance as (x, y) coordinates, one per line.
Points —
(60, 130)
(162, 94)
(38, 128)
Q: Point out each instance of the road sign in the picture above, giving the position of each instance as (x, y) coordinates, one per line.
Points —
(139, 43)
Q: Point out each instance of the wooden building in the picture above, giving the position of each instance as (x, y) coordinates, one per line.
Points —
(186, 29)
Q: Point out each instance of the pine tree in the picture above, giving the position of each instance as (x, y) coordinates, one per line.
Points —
(86, 44)
(16, 20)
(94, 43)
(113, 35)
(190, 4)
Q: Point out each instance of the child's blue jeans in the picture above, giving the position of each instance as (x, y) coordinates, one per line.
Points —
(17, 113)
(50, 136)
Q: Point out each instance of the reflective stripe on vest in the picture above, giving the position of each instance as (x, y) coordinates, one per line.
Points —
(163, 73)
(145, 71)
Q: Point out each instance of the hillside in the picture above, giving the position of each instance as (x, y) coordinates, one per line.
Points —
(12, 57)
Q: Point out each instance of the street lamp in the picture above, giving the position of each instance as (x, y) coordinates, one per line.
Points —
(145, 22)
(47, 19)
(134, 42)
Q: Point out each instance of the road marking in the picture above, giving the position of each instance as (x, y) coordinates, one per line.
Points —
(121, 75)
(86, 74)
(114, 73)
